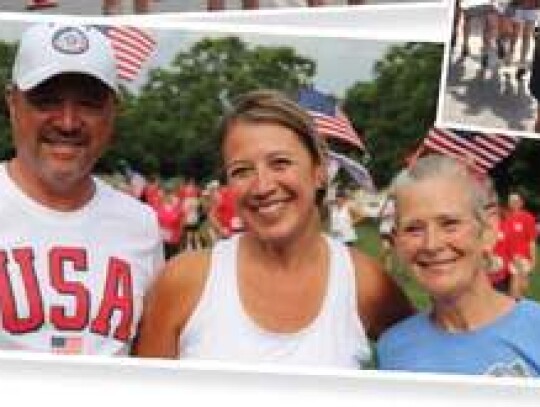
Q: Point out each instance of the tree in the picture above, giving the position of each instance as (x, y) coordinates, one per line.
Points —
(397, 108)
(7, 56)
(170, 126)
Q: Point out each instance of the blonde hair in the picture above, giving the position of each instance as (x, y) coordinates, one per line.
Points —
(479, 190)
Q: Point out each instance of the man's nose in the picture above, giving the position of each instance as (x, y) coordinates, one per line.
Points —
(67, 116)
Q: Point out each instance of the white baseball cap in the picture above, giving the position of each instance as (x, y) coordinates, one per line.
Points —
(50, 49)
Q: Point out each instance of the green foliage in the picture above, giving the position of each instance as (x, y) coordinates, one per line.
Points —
(523, 175)
(7, 55)
(396, 109)
(170, 127)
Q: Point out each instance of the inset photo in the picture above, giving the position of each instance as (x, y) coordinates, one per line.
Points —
(114, 7)
(493, 74)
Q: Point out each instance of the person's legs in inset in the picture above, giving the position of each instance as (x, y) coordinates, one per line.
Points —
(526, 41)
(141, 6)
(40, 4)
(315, 3)
(466, 30)
(250, 4)
(110, 7)
(215, 5)
(489, 36)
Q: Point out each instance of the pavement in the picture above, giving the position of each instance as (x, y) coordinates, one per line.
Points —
(490, 98)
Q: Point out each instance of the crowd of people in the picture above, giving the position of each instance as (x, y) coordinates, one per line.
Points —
(190, 217)
(82, 269)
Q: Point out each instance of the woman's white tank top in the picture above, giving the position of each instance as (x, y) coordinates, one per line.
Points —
(220, 329)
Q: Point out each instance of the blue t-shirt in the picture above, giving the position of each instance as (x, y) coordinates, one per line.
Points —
(509, 346)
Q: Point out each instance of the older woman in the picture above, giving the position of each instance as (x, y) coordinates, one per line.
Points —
(444, 237)
(281, 291)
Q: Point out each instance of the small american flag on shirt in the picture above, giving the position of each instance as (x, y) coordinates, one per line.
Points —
(65, 345)
(329, 120)
(132, 47)
(480, 151)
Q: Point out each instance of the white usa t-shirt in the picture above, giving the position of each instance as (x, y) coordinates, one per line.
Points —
(73, 282)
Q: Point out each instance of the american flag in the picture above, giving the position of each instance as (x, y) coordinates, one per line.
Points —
(480, 151)
(356, 171)
(132, 47)
(329, 120)
(62, 345)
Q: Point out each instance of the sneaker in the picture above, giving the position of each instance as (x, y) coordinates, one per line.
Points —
(41, 4)
(520, 73)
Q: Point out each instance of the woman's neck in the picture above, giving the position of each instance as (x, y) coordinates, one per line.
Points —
(306, 248)
(473, 309)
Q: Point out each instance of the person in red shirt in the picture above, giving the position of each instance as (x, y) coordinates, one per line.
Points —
(222, 213)
(520, 229)
(171, 220)
(152, 193)
(499, 271)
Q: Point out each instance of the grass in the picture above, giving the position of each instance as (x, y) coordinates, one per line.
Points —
(369, 242)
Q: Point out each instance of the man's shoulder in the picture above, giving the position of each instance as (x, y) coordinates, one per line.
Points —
(121, 202)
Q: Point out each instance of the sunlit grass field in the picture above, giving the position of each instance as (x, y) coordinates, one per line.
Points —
(369, 242)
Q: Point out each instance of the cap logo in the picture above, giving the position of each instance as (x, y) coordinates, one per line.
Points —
(70, 40)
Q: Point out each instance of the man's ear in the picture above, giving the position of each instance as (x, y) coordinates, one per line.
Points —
(8, 99)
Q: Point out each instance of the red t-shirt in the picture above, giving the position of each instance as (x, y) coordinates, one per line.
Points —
(502, 256)
(225, 210)
(171, 220)
(520, 228)
(153, 195)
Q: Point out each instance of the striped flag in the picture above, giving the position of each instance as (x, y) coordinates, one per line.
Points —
(132, 47)
(62, 345)
(480, 151)
(329, 120)
(354, 169)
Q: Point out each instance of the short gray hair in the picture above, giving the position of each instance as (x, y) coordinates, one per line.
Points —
(480, 190)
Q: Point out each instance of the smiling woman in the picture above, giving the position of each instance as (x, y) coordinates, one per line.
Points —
(444, 236)
(282, 291)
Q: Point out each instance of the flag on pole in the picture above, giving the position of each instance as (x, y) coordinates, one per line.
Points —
(354, 169)
(132, 47)
(480, 151)
(329, 120)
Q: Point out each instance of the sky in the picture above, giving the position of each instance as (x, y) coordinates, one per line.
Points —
(340, 62)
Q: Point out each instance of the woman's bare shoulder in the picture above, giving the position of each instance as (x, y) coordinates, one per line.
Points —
(381, 302)
(186, 272)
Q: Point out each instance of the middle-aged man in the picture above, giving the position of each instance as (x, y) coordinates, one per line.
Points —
(76, 256)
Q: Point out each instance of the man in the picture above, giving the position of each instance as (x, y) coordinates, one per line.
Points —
(76, 256)
(520, 231)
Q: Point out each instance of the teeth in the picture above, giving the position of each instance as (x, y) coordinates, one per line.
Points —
(269, 208)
